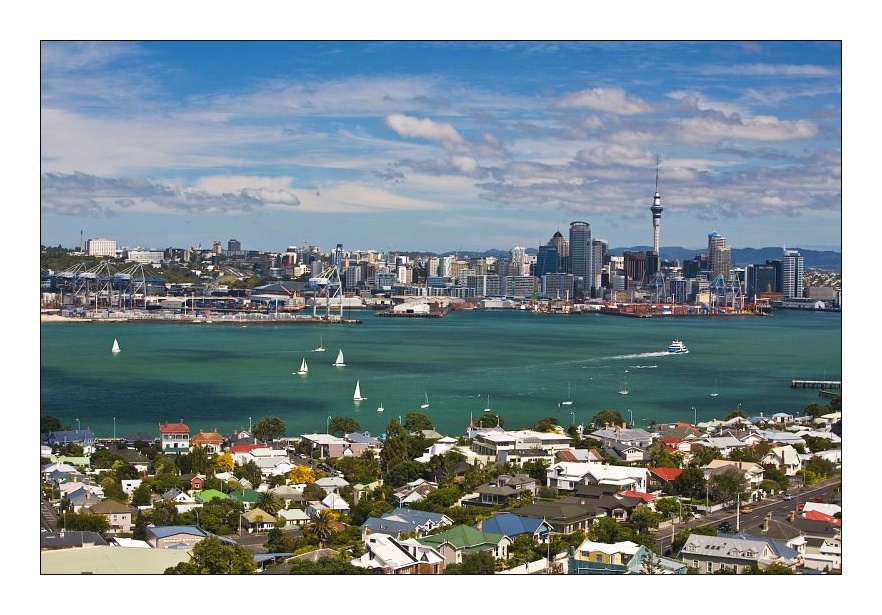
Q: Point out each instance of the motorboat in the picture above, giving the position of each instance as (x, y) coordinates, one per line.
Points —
(677, 347)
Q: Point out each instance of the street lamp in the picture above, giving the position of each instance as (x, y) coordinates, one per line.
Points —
(631, 416)
(78, 424)
(114, 428)
(328, 426)
(694, 416)
(573, 414)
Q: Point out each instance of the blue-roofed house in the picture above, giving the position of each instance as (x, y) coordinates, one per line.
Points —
(405, 521)
(83, 437)
(512, 525)
(173, 536)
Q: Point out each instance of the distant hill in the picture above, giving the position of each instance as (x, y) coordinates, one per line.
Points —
(827, 260)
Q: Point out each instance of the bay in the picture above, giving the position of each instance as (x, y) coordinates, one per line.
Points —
(520, 364)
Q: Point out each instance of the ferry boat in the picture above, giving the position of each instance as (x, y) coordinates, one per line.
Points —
(677, 347)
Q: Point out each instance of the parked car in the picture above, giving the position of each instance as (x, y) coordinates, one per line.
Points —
(725, 526)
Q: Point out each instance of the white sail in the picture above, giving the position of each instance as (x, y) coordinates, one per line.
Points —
(339, 362)
(569, 400)
(426, 403)
(304, 369)
(357, 396)
(380, 408)
(321, 347)
(115, 347)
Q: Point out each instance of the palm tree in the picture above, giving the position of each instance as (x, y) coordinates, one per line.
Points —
(270, 502)
(323, 527)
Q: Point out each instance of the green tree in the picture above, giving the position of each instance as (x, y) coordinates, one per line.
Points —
(490, 419)
(269, 428)
(141, 496)
(610, 531)
(726, 485)
(476, 563)
(342, 425)
(85, 522)
(395, 447)
(610, 417)
(322, 527)
(415, 422)
(326, 565)
(49, 423)
(270, 502)
(643, 518)
(212, 556)
(249, 470)
(536, 469)
(703, 455)
(546, 424)
(113, 490)
(690, 483)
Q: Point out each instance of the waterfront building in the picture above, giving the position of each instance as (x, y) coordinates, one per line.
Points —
(557, 285)
(792, 274)
(547, 261)
(101, 247)
(145, 257)
(581, 263)
(520, 285)
(174, 437)
(485, 285)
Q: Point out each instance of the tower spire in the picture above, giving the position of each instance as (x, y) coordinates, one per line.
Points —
(656, 210)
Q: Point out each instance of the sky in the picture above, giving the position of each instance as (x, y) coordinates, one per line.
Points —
(439, 145)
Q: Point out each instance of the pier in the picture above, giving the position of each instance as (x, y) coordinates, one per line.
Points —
(816, 384)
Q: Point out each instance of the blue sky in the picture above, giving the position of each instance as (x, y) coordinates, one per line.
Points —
(439, 146)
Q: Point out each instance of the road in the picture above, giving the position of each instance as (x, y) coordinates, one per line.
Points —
(776, 505)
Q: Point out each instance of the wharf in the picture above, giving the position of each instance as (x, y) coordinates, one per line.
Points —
(815, 384)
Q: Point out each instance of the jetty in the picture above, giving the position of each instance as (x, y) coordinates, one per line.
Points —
(816, 384)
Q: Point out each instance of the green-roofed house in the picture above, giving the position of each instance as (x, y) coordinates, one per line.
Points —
(462, 540)
(211, 494)
(248, 497)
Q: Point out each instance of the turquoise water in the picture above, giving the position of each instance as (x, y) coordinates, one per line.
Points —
(226, 376)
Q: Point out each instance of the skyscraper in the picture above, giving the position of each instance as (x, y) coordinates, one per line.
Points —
(791, 274)
(719, 255)
(581, 261)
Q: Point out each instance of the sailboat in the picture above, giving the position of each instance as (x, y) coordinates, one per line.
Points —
(425, 404)
(339, 362)
(320, 348)
(115, 348)
(303, 368)
(624, 390)
(487, 409)
(715, 394)
(380, 408)
(357, 396)
(569, 400)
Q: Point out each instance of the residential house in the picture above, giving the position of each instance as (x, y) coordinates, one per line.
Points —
(207, 495)
(505, 488)
(564, 517)
(606, 499)
(512, 525)
(135, 458)
(257, 520)
(333, 447)
(291, 495)
(70, 539)
(83, 498)
(616, 435)
(293, 517)
(83, 437)
(710, 554)
(461, 540)
(439, 447)
(413, 491)
(359, 489)
(130, 484)
(785, 458)
(752, 472)
(330, 484)
(386, 554)
(173, 536)
(405, 521)
(183, 501)
(659, 478)
(627, 453)
(579, 455)
(118, 515)
(174, 437)
(496, 444)
(624, 557)
(247, 496)
(212, 442)
(724, 444)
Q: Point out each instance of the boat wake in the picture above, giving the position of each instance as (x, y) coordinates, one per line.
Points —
(640, 355)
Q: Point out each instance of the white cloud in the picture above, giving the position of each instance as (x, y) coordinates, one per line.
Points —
(425, 128)
(606, 100)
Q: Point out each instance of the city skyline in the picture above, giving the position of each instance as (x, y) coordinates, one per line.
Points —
(440, 146)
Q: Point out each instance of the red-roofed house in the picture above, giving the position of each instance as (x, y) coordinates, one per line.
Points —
(659, 477)
(817, 515)
(212, 442)
(174, 438)
(647, 498)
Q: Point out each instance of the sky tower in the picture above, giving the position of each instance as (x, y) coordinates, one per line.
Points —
(656, 210)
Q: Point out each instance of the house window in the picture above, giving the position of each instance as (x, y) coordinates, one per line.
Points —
(695, 563)
(598, 558)
(710, 566)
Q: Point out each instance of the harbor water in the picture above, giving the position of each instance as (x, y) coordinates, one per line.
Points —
(519, 364)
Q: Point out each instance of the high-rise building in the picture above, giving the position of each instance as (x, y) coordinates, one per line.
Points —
(581, 262)
(101, 247)
(234, 247)
(635, 265)
(719, 255)
(792, 274)
(547, 261)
